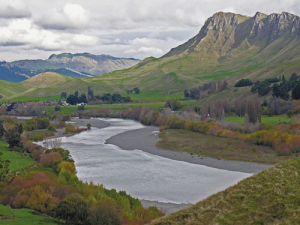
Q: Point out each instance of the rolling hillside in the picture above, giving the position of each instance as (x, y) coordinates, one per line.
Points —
(228, 47)
(270, 197)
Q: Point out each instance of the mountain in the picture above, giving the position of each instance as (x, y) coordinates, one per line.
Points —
(228, 47)
(74, 65)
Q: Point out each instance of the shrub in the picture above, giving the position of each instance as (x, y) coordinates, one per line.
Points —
(42, 123)
(73, 209)
(66, 117)
(104, 213)
(89, 126)
(70, 129)
(51, 159)
(52, 128)
(243, 83)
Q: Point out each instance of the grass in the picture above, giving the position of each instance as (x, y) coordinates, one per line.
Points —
(25, 216)
(117, 107)
(271, 120)
(17, 160)
(154, 96)
(217, 147)
(33, 98)
(270, 197)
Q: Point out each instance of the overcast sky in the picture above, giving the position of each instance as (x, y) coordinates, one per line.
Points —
(35, 29)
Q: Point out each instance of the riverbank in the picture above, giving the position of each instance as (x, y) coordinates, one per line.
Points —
(146, 138)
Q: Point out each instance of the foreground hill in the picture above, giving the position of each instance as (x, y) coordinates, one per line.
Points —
(228, 47)
(271, 197)
(74, 65)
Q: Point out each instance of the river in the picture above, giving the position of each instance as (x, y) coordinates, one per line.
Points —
(141, 174)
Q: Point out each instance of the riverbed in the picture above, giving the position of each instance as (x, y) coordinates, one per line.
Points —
(140, 174)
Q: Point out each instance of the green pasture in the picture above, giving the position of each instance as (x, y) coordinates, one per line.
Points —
(17, 160)
(25, 216)
(271, 120)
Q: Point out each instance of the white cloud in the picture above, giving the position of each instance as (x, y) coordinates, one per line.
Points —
(127, 28)
(70, 17)
(13, 9)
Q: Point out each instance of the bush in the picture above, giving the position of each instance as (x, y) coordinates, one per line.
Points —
(42, 123)
(52, 128)
(57, 108)
(243, 83)
(89, 126)
(73, 209)
(81, 107)
(105, 213)
(51, 159)
(66, 117)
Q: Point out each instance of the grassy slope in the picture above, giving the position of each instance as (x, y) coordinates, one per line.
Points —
(217, 147)
(17, 160)
(271, 197)
(118, 107)
(220, 55)
(25, 216)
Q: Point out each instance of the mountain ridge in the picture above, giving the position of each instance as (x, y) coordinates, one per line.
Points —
(228, 47)
(77, 65)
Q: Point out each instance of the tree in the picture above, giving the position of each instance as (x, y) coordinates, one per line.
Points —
(296, 92)
(90, 94)
(105, 213)
(117, 97)
(63, 95)
(13, 137)
(186, 93)
(82, 98)
(243, 83)
(4, 171)
(136, 90)
(173, 104)
(51, 159)
(76, 93)
(1, 96)
(1, 129)
(63, 152)
(72, 100)
(73, 209)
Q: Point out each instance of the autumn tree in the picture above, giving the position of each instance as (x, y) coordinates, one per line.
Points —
(51, 159)
(254, 110)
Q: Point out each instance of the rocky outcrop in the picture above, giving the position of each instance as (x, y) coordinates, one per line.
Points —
(240, 28)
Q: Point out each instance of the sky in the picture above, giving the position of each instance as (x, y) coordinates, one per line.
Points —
(35, 29)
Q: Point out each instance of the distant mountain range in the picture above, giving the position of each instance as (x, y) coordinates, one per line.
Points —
(74, 65)
(228, 47)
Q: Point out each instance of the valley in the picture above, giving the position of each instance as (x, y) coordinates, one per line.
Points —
(207, 133)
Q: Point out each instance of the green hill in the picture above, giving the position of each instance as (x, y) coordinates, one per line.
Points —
(270, 197)
(228, 47)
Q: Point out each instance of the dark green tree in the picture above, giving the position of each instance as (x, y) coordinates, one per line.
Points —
(4, 171)
(296, 92)
(73, 209)
(136, 90)
(13, 137)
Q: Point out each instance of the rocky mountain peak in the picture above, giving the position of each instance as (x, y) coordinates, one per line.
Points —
(220, 21)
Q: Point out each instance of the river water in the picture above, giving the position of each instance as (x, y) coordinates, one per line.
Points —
(141, 174)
